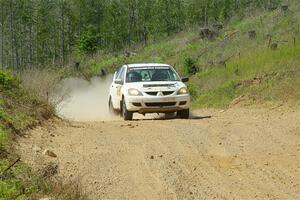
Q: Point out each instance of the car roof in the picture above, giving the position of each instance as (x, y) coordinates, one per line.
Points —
(147, 65)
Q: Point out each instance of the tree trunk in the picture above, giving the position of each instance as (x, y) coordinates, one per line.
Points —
(62, 31)
(30, 45)
(2, 36)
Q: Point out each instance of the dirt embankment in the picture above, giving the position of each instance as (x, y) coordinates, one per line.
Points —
(236, 154)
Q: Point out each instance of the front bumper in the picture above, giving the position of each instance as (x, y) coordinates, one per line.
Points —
(157, 104)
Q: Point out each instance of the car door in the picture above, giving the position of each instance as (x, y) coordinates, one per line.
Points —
(116, 88)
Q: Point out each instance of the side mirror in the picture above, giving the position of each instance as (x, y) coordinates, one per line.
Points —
(184, 80)
(119, 82)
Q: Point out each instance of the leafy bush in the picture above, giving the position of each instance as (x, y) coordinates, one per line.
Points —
(190, 66)
(88, 43)
(193, 90)
(7, 81)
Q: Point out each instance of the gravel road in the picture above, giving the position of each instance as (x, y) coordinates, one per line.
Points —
(240, 153)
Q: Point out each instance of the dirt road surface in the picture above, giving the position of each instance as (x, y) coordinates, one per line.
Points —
(239, 153)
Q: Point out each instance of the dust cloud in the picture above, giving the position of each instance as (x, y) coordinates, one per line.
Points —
(81, 100)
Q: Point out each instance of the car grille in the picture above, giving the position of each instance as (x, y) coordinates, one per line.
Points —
(168, 93)
(152, 93)
(137, 104)
(165, 93)
(160, 104)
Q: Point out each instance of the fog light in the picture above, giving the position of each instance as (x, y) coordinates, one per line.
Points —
(137, 104)
(182, 103)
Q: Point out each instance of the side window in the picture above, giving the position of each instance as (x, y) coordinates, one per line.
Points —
(117, 74)
(121, 73)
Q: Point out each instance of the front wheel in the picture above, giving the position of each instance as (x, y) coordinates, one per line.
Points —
(183, 114)
(127, 115)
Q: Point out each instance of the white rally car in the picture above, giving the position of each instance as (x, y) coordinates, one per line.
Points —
(148, 88)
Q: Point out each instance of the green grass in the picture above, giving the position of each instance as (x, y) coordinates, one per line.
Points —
(4, 138)
(277, 72)
(218, 97)
(15, 185)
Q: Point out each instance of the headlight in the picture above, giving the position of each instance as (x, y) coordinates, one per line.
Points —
(134, 92)
(183, 91)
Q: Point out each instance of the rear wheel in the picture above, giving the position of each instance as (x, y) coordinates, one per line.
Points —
(183, 114)
(127, 115)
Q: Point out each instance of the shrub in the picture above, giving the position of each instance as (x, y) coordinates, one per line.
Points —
(193, 90)
(7, 81)
(88, 43)
(190, 66)
(42, 83)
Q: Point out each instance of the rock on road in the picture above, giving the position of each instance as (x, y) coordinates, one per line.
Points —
(240, 153)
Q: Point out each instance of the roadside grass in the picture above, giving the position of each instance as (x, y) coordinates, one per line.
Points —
(262, 75)
(280, 90)
(218, 97)
(20, 182)
(43, 83)
(19, 111)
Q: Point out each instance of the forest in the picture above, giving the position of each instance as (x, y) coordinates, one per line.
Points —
(38, 33)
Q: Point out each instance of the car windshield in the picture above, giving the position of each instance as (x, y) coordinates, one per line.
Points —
(146, 74)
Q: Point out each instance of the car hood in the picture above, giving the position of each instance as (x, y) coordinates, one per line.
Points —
(156, 86)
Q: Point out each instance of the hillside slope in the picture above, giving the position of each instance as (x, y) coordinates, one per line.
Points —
(21, 110)
(232, 66)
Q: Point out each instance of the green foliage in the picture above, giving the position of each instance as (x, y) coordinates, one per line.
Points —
(190, 66)
(88, 43)
(10, 188)
(7, 81)
(20, 182)
(193, 90)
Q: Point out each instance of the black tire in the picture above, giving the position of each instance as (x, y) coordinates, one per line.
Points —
(184, 114)
(111, 108)
(127, 115)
